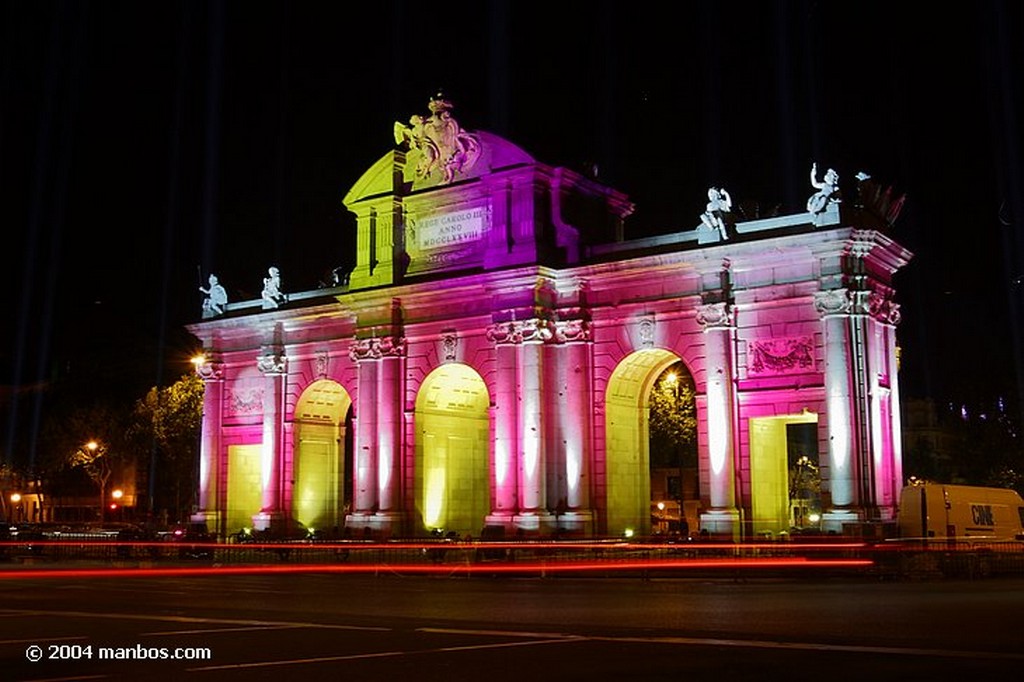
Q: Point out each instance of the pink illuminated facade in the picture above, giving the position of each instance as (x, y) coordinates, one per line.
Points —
(490, 360)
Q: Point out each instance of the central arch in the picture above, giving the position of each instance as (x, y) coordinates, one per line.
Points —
(627, 439)
(452, 445)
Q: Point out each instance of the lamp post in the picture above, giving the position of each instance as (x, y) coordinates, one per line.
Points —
(98, 467)
(15, 507)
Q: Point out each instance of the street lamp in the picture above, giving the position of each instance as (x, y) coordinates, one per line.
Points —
(15, 507)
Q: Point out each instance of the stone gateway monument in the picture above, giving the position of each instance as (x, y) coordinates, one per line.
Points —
(490, 361)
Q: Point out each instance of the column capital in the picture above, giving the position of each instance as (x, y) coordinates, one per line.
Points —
(833, 302)
(572, 331)
(376, 347)
(534, 330)
(715, 316)
(876, 304)
(883, 308)
(210, 367)
(271, 361)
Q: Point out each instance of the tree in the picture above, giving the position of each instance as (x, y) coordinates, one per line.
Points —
(673, 420)
(169, 419)
(93, 459)
(87, 440)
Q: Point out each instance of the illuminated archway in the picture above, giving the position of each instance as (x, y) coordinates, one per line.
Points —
(452, 439)
(627, 439)
(318, 496)
(774, 504)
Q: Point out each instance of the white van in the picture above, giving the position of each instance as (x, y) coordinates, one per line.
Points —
(960, 512)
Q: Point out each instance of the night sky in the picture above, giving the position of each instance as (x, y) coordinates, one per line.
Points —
(144, 145)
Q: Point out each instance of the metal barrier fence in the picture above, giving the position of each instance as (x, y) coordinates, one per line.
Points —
(882, 560)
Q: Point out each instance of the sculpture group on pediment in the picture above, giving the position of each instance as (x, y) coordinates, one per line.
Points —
(441, 142)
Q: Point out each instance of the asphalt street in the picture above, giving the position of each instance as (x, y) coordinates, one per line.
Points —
(390, 627)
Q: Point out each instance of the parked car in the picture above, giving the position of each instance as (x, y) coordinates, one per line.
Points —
(195, 539)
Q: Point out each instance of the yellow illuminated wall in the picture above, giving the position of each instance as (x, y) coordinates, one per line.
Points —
(317, 498)
(769, 471)
(627, 447)
(244, 493)
(452, 436)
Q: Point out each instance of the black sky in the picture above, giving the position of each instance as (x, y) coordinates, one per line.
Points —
(142, 143)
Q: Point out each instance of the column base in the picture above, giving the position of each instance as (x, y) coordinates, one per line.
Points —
(494, 522)
(366, 525)
(531, 523)
(832, 521)
(212, 519)
(720, 524)
(575, 523)
(266, 520)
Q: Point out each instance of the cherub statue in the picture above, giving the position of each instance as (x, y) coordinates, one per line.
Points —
(272, 296)
(713, 218)
(216, 300)
(828, 190)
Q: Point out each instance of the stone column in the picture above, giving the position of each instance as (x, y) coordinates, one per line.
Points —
(505, 416)
(377, 445)
(389, 430)
(532, 483)
(210, 370)
(366, 354)
(575, 413)
(519, 409)
(885, 398)
(836, 309)
(723, 517)
(271, 363)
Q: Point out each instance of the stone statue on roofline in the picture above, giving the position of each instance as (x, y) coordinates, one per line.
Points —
(443, 146)
(828, 190)
(216, 301)
(713, 217)
(272, 295)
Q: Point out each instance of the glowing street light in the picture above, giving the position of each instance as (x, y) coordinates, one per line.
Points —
(15, 498)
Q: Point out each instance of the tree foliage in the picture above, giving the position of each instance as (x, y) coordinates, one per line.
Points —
(673, 420)
(168, 421)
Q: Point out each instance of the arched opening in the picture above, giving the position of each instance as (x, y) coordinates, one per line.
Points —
(323, 456)
(675, 481)
(633, 478)
(784, 481)
(452, 439)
